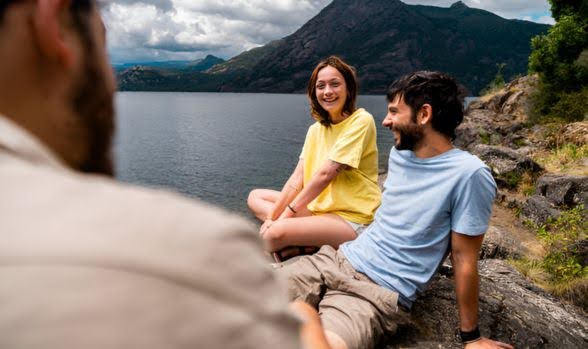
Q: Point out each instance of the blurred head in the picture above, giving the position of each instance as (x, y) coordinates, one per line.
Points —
(432, 93)
(332, 90)
(65, 74)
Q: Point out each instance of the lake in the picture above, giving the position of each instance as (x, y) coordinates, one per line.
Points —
(218, 146)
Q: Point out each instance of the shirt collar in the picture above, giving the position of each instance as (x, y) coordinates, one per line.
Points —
(18, 141)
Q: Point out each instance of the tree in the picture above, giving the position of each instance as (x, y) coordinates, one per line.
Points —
(559, 57)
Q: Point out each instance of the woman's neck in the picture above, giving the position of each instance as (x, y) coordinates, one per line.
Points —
(338, 117)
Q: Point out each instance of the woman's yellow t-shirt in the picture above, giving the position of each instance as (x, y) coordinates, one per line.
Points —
(354, 193)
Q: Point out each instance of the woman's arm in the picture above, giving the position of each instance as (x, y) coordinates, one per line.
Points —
(292, 187)
(319, 181)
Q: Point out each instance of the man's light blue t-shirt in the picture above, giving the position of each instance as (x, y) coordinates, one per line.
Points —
(423, 201)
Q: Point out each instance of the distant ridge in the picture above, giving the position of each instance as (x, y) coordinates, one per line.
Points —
(197, 65)
(383, 39)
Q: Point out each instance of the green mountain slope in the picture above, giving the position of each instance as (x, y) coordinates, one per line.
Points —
(383, 39)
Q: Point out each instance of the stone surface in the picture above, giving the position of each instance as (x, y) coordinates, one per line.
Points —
(513, 99)
(499, 243)
(507, 165)
(564, 190)
(511, 310)
(539, 210)
(575, 133)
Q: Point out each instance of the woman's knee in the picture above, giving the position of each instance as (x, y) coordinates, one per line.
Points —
(273, 237)
(253, 198)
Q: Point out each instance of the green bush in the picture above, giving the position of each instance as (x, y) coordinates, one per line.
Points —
(561, 270)
(560, 239)
(571, 106)
(558, 107)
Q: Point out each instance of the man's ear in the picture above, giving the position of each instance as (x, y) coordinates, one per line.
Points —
(50, 30)
(425, 114)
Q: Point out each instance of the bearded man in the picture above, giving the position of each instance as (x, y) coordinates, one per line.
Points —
(86, 262)
(437, 200)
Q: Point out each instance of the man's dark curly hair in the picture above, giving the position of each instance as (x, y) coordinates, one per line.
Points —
(439, 90)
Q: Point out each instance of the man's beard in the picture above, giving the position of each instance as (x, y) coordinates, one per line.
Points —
(409, 136)
(93, 103)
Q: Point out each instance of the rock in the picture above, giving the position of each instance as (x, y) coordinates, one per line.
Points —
(498, 243)
(467, 135)
(513, 99)
(507, 165)
(508, 200)
(539, 210)
(563, 190)
(512, 310)
(575, 133)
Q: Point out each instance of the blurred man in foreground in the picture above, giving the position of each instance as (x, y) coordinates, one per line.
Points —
(86, 262)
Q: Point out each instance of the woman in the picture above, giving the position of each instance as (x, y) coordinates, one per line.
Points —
(333, 192)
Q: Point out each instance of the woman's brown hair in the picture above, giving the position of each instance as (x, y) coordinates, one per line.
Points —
(348, 72)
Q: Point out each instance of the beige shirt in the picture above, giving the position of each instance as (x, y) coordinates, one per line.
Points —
(86, 262)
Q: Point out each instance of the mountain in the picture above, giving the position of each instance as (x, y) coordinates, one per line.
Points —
(152, 75)
(383, 39)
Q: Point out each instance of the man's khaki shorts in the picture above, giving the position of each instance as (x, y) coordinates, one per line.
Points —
(350, 304)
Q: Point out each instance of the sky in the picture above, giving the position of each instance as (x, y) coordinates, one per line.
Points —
(162, 30)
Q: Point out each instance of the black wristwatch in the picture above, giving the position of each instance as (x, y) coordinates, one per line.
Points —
(470, 336)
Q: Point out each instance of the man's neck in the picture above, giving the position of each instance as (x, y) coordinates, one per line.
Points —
(432, 145)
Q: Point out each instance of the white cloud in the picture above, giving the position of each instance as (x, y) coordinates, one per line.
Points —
(144, 30)
(504, 8)
(545, 20)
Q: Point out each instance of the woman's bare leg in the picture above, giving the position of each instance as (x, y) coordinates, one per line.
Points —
(319, 230)
(261, 203)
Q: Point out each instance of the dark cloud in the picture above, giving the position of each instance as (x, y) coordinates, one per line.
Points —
(190, 29)
(163, 5)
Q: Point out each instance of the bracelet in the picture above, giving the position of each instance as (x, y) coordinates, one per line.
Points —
(291, 209)
(470, 336)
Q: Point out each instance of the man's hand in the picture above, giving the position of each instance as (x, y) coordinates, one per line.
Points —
(312, 334)
(486, 343)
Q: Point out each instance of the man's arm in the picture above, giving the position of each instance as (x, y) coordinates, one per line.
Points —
(464, 258)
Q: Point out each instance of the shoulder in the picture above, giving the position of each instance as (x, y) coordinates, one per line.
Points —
(469, 163)
(183, 214)
(474, 172)
(360, 120)
(314, 128)
(362, 116)
(95, 206)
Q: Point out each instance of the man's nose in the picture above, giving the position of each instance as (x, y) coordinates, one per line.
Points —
(387, 122)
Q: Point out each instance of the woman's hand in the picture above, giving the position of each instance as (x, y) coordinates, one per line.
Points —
(265, 226)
